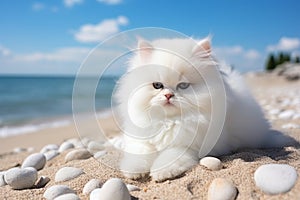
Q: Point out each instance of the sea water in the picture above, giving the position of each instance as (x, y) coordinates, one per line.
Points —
(31, 103)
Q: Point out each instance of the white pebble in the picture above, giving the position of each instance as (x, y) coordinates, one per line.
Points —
(49, 147)
(287, 114)
(275, 178)
(43, 180)
(51, 154)
(91, 185)
(285, 102)
(57, 190)
(132, 188)
(21, 178)
(74, 141)
(78, 154)
(65, 146)
(296, 116)
(221, 189)
(67, 173)
(211, 163)
(30, 149)
(96, 194)
(85, 141)
(112, 189)
(274, 111)
(19, 150)
(290, 126)
(70, 196)
(95, 146)
(99, 154)
(36, 160)
(2, 181)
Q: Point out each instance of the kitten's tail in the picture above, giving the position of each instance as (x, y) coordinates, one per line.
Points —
(276, 139)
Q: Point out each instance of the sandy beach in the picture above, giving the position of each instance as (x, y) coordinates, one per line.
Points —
(271, 91)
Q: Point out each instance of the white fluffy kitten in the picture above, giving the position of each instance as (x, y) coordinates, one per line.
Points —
(167, 100)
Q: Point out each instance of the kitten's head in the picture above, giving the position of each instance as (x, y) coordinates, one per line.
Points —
(165, 80)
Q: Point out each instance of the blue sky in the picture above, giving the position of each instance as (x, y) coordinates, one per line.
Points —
(54, 36)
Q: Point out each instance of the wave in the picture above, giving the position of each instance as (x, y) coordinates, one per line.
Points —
(8, 131)
(30, 128)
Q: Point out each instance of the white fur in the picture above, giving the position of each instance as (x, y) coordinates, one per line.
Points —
(165, 139)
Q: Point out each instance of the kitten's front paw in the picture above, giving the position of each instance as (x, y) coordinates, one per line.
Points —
(166, 174)
(135, 166)
(169, 166)
(135, 176)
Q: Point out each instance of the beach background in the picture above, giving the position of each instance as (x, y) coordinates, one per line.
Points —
(270, 90)
(45, 44)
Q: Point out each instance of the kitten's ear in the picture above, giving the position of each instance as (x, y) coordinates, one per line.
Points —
(144, 49)
(203, 48)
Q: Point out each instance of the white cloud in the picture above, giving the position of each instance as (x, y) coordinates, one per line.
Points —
(65, 60)
(4, 51)
(70, 54)
(252, 54)
(38, 6)
(71, 3)
(96, 33)
(285, 44)
(239, 57)
(236, 51)
(110, 2)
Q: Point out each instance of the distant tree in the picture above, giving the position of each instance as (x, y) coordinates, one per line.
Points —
(286, 57)
(297, 59)
(271, 63)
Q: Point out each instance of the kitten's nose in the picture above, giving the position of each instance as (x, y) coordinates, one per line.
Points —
(169, 96)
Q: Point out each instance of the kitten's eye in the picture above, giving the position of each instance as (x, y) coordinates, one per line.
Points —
(183, 85)
(158, 85)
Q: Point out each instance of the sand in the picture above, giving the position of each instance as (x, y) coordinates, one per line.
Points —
(238, 167)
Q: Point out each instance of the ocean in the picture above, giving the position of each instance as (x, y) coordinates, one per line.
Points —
(31, 103)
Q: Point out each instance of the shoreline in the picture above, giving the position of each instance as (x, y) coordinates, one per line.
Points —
(54, 134)
(36, 125)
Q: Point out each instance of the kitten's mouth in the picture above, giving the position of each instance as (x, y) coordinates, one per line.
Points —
(168, 103)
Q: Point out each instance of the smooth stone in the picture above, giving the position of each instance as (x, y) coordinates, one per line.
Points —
(2, 181)
(211, 163)
(21, 178)
(290, 126)
(57, 190)
(73, 141)
(221, 189)
(78, 154)
(287, 114)
(51, 154)
(49, 147)
(76, 142)
(132, 188)
(85, 141)
(96, 194)
(114, 188)
(274, 111)
(65, 146)
(275, 178)
(30, 149)
(67, 173)
(36, 160)
(94, 147)
(42, 182)
(19, 149)
(296, 116)
(69, 196)
(99, 154)
(91, 185)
